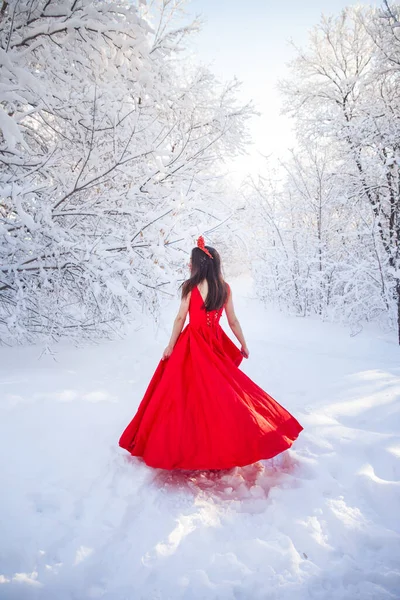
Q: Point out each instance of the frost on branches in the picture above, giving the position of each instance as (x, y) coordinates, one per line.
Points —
(331, 239)
(109, 147)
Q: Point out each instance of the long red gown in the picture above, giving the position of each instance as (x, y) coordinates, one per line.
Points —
(200, 411)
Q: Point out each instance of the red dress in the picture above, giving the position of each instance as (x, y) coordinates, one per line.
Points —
(200, 411)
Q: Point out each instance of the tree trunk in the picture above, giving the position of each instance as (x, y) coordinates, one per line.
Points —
(398, 308)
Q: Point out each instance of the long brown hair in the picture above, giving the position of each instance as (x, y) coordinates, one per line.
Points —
(205, 267)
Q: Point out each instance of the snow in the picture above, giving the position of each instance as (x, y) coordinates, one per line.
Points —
(10, 130)
(83, 519)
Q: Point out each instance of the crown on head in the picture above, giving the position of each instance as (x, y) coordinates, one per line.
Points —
(200, 244)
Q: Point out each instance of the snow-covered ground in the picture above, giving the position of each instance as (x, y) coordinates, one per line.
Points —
(82, 519)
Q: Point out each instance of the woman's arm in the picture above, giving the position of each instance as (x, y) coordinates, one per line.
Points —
(235, 325)
(178, 326)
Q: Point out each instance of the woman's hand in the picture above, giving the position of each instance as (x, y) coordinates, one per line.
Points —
(245, 351)
(167, 352)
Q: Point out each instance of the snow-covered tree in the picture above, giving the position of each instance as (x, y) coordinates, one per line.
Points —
(110, 145)
(338, 206)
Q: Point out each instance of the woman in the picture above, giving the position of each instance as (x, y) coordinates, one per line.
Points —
(200, 411)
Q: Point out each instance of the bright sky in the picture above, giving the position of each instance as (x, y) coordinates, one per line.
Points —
(251, 40)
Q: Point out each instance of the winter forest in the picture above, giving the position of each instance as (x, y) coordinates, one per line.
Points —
(113, 146)
(111, 149)
(119, 146)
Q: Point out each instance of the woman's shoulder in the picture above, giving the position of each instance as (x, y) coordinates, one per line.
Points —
(186, 289)
(228, 291)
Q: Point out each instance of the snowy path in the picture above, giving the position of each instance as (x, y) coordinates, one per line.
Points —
(82, 519)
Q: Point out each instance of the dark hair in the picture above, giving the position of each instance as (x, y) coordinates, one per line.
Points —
(205, 267)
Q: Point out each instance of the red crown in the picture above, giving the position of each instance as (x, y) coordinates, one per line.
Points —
(200, 244)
